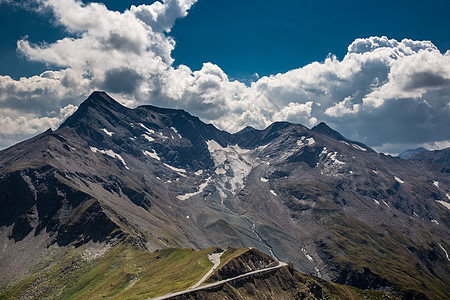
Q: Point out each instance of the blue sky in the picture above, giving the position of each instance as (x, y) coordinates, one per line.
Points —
(259, 36)
(348, 63)
(267, 37)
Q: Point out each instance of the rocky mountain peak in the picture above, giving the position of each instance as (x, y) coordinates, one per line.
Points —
(324, 129)
(100, 98)
(97, 107)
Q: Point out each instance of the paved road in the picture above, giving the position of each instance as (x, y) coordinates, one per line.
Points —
(215, 259)
(207, 286)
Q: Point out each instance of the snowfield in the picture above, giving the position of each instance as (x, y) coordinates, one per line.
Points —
(239, 161)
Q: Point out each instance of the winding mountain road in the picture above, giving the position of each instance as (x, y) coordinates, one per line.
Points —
(215, 259)
(196, 287)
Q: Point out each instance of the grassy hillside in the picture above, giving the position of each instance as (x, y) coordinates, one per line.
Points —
(365, 256)
(122, 272)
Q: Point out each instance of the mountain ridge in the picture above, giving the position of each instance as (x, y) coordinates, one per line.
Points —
(163, 178)
(407, 154)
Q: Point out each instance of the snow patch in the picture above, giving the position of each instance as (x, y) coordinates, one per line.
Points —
(332, 156)
(306, 142)
(220, 171)
(436, 183)
(179, 171)
(446, 204)
(273, 193)
(448, 196)
(386, 203)
(398, 179)
(446, 254)
(376, 172)
(201, 187)
(148, 138)
(318, 272)
(307, 255)
(359, 147)
(330, 164)
(149, 130)
(264, 179)
(152, 154)
(199, 172)
(110, 153)
(107, 132)
(310, 141)
(354, 146)
(376, 201)
(176, 132)
(435, 222)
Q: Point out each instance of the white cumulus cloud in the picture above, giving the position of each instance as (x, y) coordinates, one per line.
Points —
(382, 92)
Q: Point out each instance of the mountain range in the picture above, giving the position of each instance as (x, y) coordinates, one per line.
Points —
(161, 178)
(411, 152)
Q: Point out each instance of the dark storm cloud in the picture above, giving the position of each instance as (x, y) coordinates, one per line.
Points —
(400, 121)
(426, 80)
(123, 80)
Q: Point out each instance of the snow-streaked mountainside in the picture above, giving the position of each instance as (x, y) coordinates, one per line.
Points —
(333, 206)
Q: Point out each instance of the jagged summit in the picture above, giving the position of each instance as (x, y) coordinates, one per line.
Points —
(246, 129)
(99, 109)
(324, 129)
(98, 106)
(101, 100)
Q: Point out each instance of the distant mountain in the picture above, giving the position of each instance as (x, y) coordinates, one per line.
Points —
(407, 154)
(437, 156)
(161, 178)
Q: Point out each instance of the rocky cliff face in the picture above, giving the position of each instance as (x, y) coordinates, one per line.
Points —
(162, 177)
(247, 261)
(283, 284)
